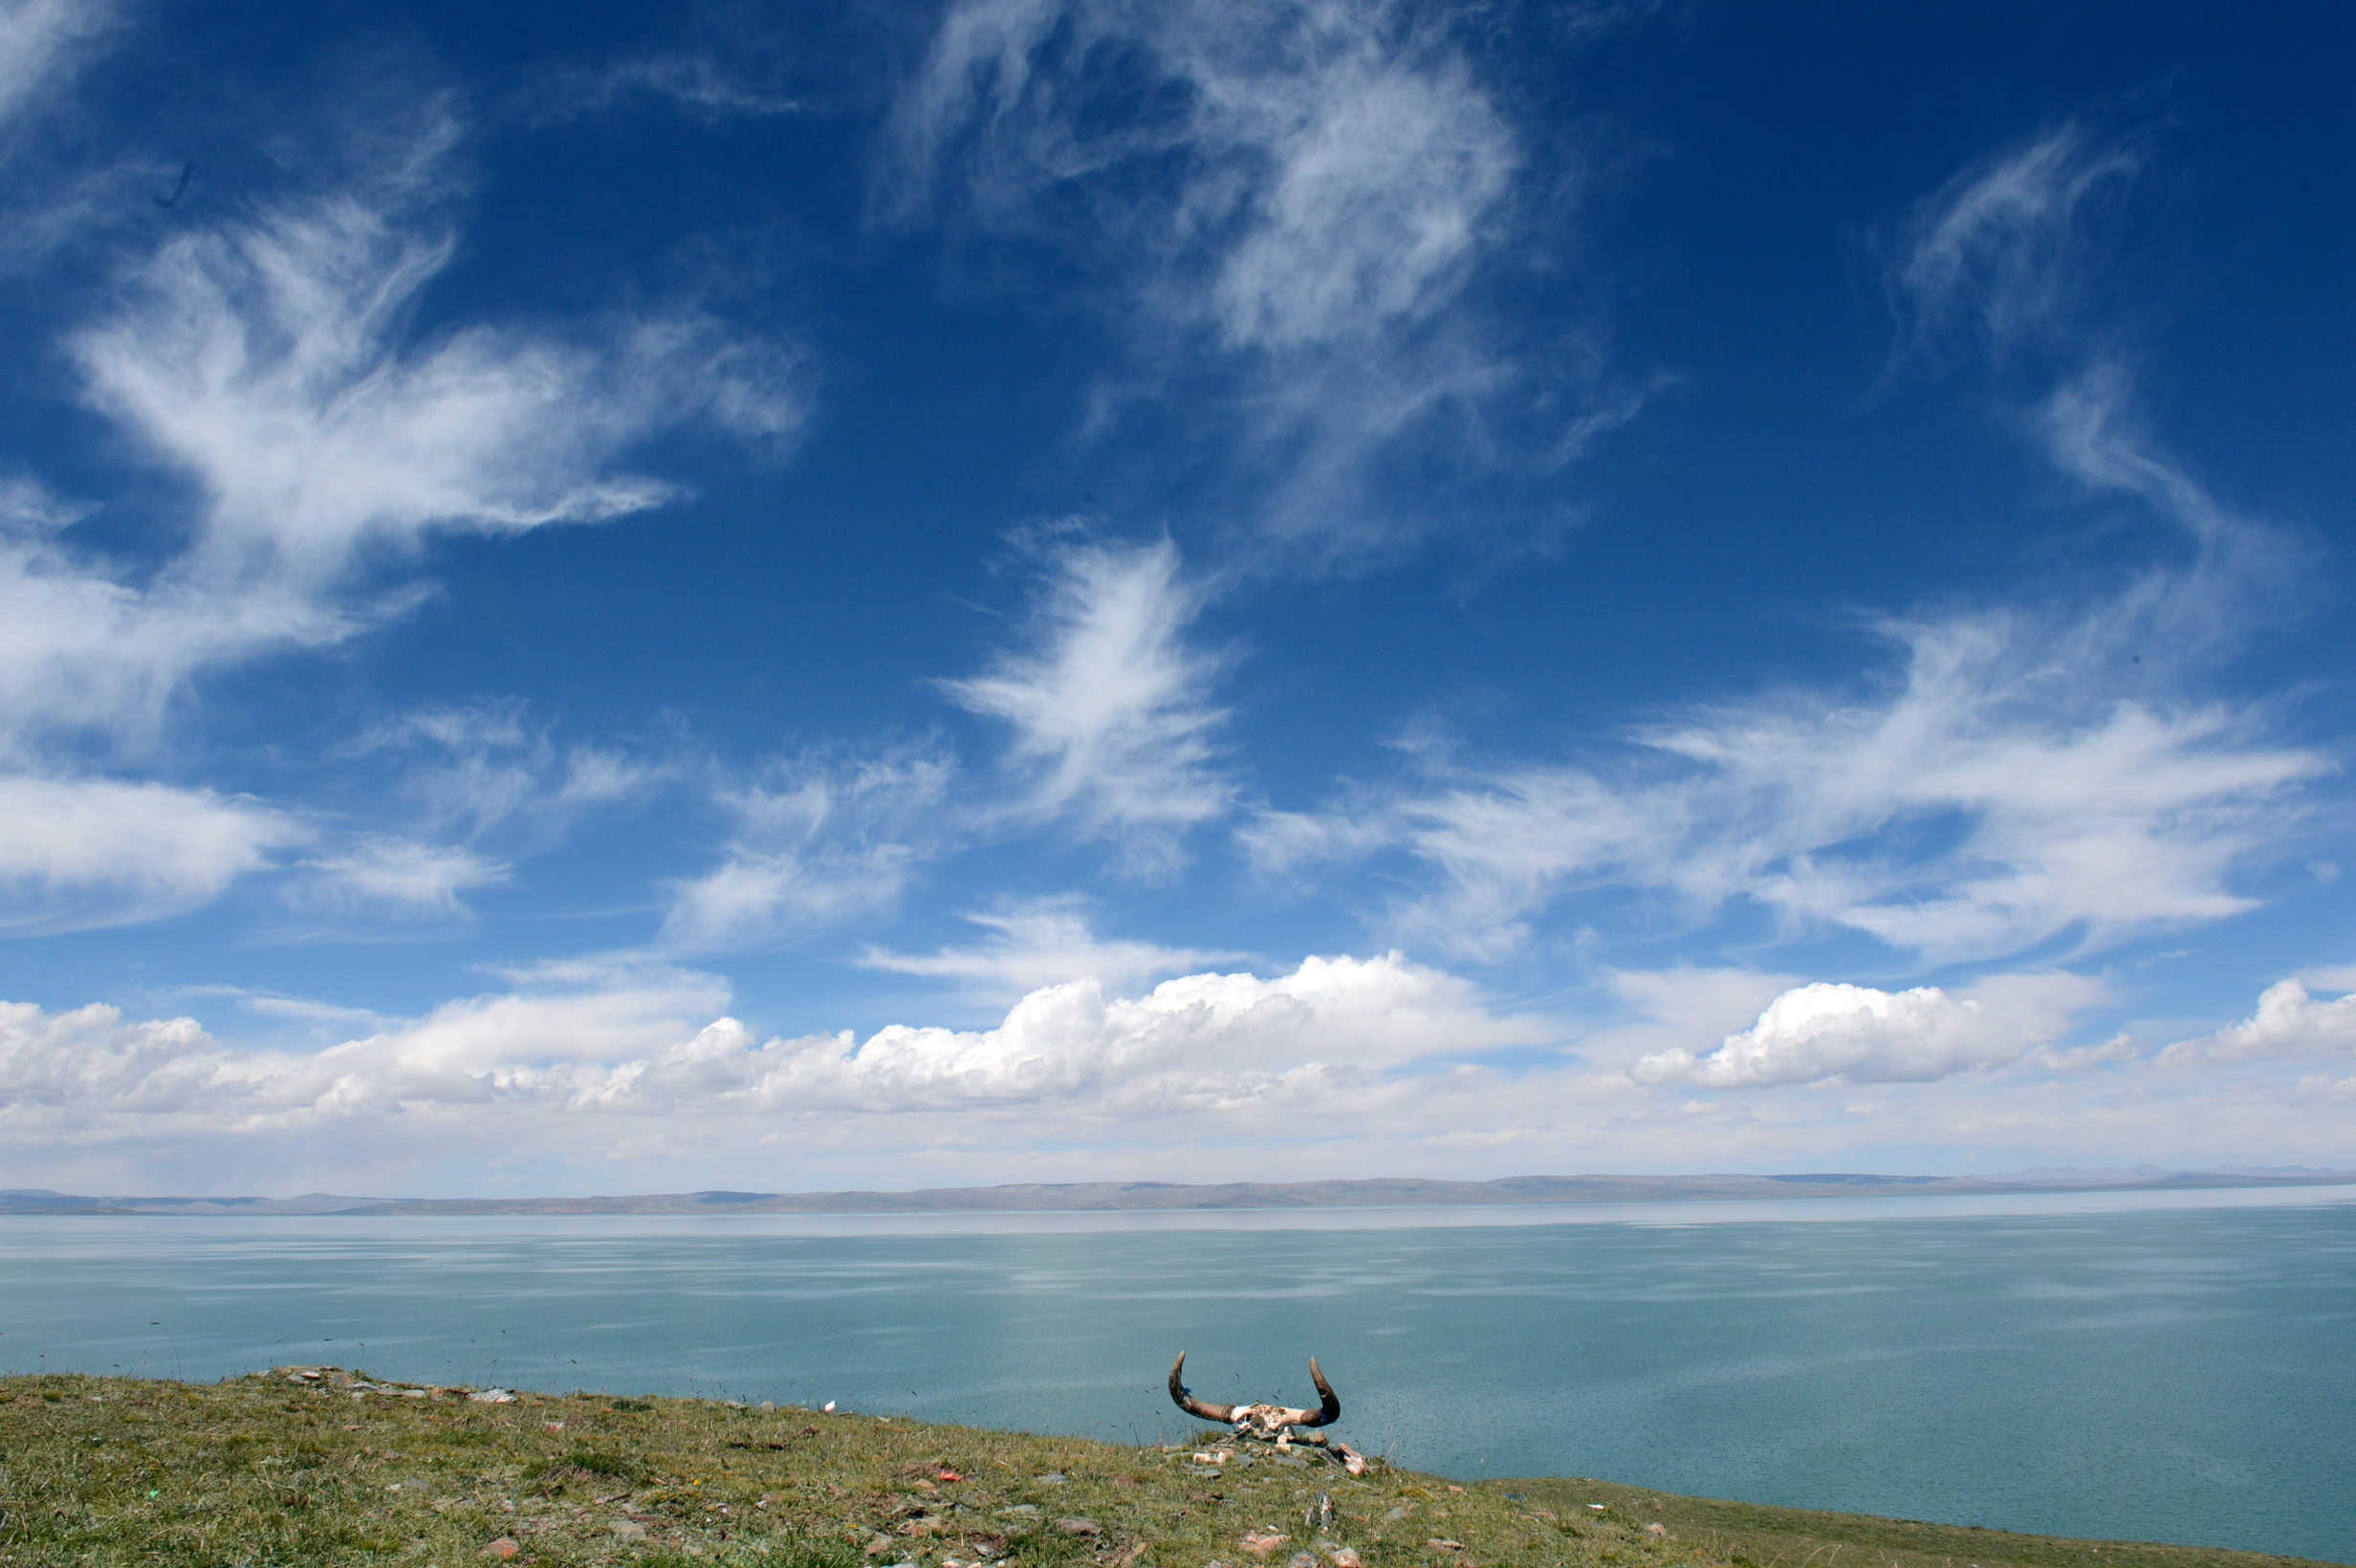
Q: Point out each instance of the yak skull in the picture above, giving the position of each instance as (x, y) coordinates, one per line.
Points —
(1270, 1423)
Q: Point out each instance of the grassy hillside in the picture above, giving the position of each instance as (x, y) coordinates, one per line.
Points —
(333, 1468)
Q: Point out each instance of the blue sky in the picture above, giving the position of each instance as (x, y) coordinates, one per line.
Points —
(638, 597)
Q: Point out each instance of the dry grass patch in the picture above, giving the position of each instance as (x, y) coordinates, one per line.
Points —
(342, 1468)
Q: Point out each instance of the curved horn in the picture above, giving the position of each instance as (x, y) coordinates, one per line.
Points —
(1332, 1411)
(1220, 1413)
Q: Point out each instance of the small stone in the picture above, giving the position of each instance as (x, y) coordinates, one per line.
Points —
(1656, 1527)
(1303, 1559)
(503, 1548)
(1396, 1514)
(1052, 1479)
(1344, 1557)
(1261, 1542)
(1023, 1510)
(629, 1530)
(1440, 1543)
(1079, 1527)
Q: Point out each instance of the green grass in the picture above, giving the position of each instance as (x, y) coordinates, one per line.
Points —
(261, 1471)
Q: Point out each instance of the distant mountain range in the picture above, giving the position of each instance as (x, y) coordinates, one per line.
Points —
(1397, 1192)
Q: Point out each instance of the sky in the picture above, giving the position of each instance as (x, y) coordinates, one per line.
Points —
(629, 597)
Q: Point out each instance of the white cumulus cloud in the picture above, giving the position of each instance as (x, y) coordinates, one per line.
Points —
(2289, 1022)
(626, 1042)
(1858, 1034)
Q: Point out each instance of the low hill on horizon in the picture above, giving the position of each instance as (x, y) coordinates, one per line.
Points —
(1098, 1197)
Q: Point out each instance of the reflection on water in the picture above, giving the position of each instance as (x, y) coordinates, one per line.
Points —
(2170, 1368)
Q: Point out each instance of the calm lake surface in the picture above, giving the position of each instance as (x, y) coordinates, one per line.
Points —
(2176, 1367)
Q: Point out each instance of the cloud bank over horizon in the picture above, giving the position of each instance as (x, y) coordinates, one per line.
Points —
(1062, 589)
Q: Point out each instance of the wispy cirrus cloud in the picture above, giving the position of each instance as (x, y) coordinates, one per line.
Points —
(271, 362)
(819, 838)
(2018, 776)
(2003, 253)
(1113, 726)
(1988, 802)
(78, 853)
(266, 361)
(1038, 943)
(708, 86)
(493, 768)
(41, 43)
(1286, 211)
(378, 876)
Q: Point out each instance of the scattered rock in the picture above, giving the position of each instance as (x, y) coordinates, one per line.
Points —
(1319, 1514)
(1440, 1543)
(1079, 1527)
(1023, 1510)
(503, 1548)
(629, 1530)
(879, 1542)
(491, 1395)
(1656, 1527)
(827, 1408)
(1344, 1557)
(1303, 1559)
(1397, 1514)
(1261, 1542)
(1052, 1479)
(554, 1426)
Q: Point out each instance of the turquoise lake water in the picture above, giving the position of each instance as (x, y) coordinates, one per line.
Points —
(2178, 1367)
